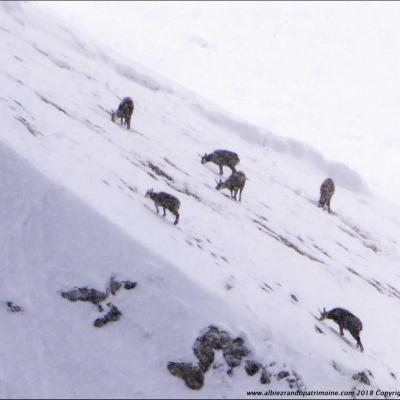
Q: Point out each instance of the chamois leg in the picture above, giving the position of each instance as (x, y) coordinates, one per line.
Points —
(128, 123)
(341, 330)
(164, 212)
(329, 205)
(356, 335)
(158, 211)
(220, 170)
(359, 343)
(176, 217)
(240, 194)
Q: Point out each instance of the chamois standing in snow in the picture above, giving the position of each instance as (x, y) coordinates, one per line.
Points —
(327, 189)
(125, 110)
(234, 183)
(221, 158)
(166, 201)
(346, 320)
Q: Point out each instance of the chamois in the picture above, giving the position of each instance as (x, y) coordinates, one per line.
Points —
(346, 320)
(234, 183)
(125, 110)
(166, 201)
(327, 189)
(221, 158)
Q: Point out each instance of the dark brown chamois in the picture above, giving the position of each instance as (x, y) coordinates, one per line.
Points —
(346, 320)
(327, 189)
(166, 201)
(125, 110)
(234, 183)
(221, 158)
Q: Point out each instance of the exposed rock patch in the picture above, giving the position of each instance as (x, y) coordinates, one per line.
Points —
(283, 375)
(128, 285)
(265, 377)
(96, 297)
(252, 367)
(204, 346)
(234, 351)
(191, 374)
(362, 377)
(214, 339)
(84, 294)
(14, 308)
(295, 382)
(114, 314)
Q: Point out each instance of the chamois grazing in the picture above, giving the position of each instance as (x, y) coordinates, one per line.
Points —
(166, 201)
(125, 110)
(346, 320)
(327, 189)
(234, 183)
(221, 158)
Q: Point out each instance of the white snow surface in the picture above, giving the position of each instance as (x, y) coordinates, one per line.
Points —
(74, 214)
(325, 73)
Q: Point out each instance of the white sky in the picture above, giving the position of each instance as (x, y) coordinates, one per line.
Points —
(324, 73)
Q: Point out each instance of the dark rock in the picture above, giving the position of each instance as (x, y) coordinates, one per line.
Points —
(234, 351)
(294, 298)
(282, 375)
(295, 381)
(113, 315)
(192, 375)
(362, 378)
(205, 355)
(252, 367)
(13, 307)
(265, 377)
(85, 294)
(114, 286)
(128, 285)
(216, 338)
(212, 339)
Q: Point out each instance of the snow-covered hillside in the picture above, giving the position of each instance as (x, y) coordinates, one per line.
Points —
(74, 215)
(323, 73)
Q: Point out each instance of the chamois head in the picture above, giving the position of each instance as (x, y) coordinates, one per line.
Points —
(220, 184)
(149, 193)
(205, 158)
(324, 315)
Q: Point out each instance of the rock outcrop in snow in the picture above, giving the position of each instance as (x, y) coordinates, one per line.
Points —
(73, 212)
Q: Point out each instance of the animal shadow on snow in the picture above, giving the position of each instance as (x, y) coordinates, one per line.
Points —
(316, 204)
(347, 341)
(163, 219)
(337, 333)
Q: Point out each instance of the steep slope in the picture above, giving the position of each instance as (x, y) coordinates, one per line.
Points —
(74, 214)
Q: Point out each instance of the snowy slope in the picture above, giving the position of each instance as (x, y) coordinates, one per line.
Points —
(325, 73)
(74, 214)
